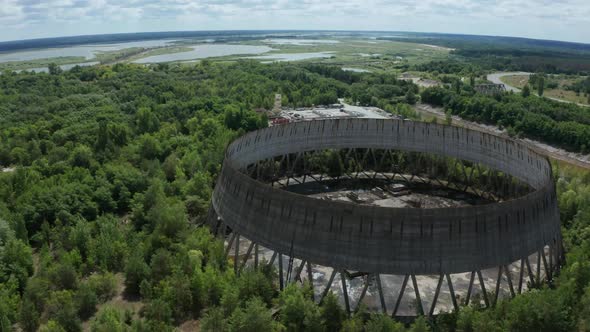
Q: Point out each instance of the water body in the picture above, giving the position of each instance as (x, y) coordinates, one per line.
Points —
(356, 70)
(292, 56)
(300, 42)
(369, 55)
(86, 51)
(206, 51)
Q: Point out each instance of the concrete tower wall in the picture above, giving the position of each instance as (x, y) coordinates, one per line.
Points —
(389, 240)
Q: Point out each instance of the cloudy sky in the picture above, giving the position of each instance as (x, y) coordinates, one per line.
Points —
(548, 19)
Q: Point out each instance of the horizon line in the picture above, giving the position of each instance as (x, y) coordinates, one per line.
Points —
(5, 42)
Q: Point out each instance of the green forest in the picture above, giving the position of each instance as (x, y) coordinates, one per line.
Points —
(111, 174)
(509, 53)
(561, 124)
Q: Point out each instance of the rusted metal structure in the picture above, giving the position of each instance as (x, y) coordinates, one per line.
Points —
(373, 240)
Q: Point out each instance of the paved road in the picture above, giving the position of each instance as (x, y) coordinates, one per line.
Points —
(496, 79)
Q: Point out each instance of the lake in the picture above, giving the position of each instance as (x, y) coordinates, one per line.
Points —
(206, 51)
(292, 56)
(86, 51)
(356, 70)
(299, 42)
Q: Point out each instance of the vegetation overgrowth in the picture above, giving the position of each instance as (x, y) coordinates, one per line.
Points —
(114, 168)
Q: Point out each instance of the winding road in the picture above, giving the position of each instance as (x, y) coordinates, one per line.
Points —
(496, 78)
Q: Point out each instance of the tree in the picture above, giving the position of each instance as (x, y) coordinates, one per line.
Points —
(62, 308)
(118, 133)
(214, 321)
(538, 311)
(254, 283)
(82, 157)
(37, 292)
(177, 292)
(109, 319)
(9, 302)
(353, 324)
(15, 259)
(102, 139)
(64, 276)
(161, 265)
(410, 97)
(29, 316)
(254, 317)
(52, 326)
(54, 69)
(335, 165)
(526, 91)
(135, 272)
(103, 285)
(170, 166)
(158, 310)
(457, 86)
(214, 283)
(332, 313)
(86, 301)
(149, 147)
(383, 323)
(168, 218)
(236, 118)
(420, 325)
(584, 321)
(147, 121)
(540, 85)
(297, 312)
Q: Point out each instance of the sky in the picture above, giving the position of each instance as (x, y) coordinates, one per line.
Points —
(567, 20)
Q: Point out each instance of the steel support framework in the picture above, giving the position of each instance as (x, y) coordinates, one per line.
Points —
(518, 224)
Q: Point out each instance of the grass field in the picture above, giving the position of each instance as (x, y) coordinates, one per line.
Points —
(519, 81)
(373, 55)
(118, 55)
(19, 65)
(156, 51)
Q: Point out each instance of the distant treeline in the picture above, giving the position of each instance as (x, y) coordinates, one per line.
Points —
(565, 125)
(509, 53)
(126, 37)
(497, 42)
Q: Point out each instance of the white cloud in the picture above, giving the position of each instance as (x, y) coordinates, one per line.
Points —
(560, 19)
